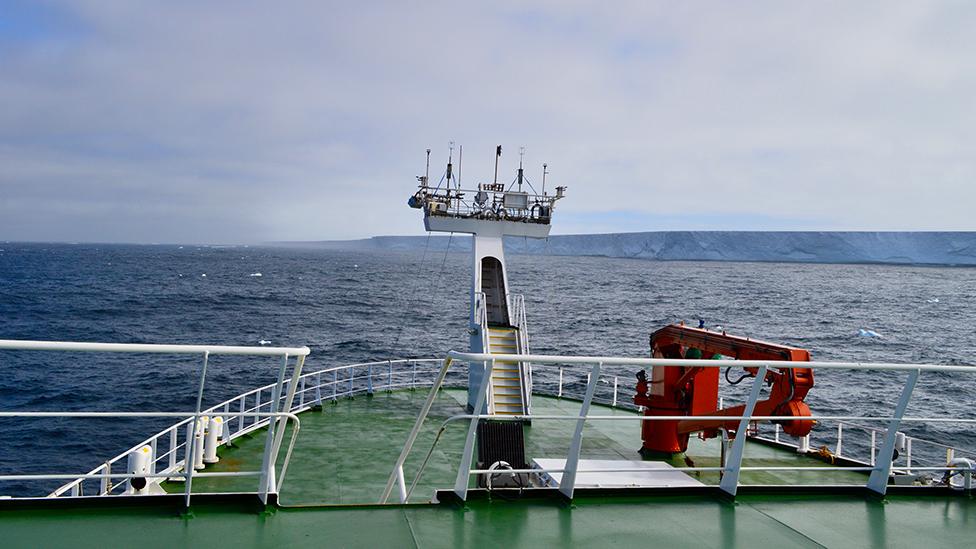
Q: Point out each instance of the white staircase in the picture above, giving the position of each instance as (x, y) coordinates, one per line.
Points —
(506, 384)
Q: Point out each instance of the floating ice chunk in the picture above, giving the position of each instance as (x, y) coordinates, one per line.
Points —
(933, 300)
(255, 274)
(355, 266)
(204, 275)
(861, 332)
(264, 342)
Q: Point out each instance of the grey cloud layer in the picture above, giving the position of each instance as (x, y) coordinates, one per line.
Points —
(239, 122)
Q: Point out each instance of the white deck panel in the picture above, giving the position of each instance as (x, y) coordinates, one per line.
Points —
(653, 474)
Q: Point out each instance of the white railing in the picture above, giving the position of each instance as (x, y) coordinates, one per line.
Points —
(879, 471)
(517, 308)
(487, 203)
(104, 473)
(251, 411)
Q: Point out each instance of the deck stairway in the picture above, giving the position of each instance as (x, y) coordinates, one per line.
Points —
(506, 385)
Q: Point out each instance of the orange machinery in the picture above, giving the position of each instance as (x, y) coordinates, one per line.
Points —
(693, 391)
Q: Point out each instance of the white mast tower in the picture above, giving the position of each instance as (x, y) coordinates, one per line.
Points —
(497, 323)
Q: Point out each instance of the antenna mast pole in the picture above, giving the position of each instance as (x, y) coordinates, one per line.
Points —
(498, 153)
(460, 155)
(450, 165)
(521, 154)
(544, 172)
(427, 172)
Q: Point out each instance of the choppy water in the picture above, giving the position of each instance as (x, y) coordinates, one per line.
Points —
(356, 306)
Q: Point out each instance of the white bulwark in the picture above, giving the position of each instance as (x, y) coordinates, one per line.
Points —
(497, 324)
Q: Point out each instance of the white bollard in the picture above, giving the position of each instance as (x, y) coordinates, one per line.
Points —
(900, 441)
(198, 442)
(212, 439)
(804, 445)
(139, 463)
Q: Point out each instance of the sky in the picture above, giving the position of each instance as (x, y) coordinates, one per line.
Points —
(240, 122)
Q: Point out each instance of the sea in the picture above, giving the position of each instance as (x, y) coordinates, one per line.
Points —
(354, 306)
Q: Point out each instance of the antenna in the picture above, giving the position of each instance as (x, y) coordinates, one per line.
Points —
(498, 153)
(545, 171)
(427, 172)
(521, 154)
(450, 166)
(460, 153)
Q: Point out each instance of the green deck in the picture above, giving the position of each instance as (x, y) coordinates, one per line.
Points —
(678, 521)
(345, 453)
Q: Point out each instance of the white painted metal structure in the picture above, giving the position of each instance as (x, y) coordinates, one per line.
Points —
(490, 213)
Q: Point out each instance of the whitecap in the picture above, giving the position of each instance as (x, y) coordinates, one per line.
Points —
(255, 274)
(933, 300)
(861, 332)
(204, 275)
(264, 342)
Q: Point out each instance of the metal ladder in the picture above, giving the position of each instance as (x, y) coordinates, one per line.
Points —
(506, 382)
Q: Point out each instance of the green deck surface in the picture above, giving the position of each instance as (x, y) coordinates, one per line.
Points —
(677, 521)
(344, 453)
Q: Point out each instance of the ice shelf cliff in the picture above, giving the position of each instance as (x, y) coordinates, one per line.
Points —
(924, 248)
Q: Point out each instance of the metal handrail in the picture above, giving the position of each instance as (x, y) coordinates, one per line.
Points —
(74, 346)
(624, 361)
(223, 408)
(877, 481)
(275, 433)
(168, 473)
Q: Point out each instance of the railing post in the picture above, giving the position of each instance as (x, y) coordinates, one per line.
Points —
(172, 447)
(878, 482)
(301, 393)
(464, 468)
(389, 383)
(730, 477)
(267, 472)
(908, 455)
(568, 483)
(257, 407)
(107, 470)
(874, 436)
(352, 376)
(240, 419)
(191, 447)
(335, 385)
(155, 453)
(318, 389)
(285, 407)
(401, 484)
(775, 430)
(559, 394)
(413, 379)
(369, 380)
(840, 438)
(614, 391)
(412, 437)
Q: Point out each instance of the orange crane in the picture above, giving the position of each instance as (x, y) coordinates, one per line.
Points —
(693, 391)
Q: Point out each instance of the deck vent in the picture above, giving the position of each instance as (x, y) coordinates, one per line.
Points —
(502, 441)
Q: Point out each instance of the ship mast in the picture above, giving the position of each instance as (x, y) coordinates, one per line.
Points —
(497, 321)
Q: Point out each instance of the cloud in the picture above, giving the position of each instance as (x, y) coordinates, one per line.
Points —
(242, 122)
